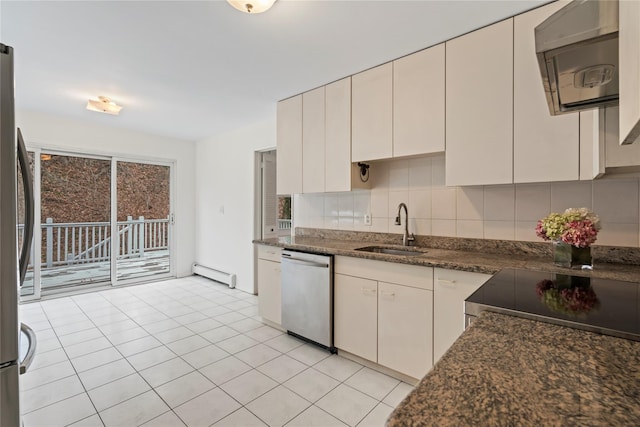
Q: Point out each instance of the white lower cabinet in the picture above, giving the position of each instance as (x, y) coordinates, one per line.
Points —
(387, 323)
(269, 288)
(450, 289)
(355, 316)
(405, 323)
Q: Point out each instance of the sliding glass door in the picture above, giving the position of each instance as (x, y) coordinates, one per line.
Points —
(75, 218)
(143, 214)
(99, 221)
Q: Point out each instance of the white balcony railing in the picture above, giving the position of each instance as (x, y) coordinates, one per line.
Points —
(89, 242)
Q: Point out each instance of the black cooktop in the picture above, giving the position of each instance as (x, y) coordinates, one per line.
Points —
(610, 307)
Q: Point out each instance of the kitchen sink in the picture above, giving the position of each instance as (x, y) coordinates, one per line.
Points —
(390, 251)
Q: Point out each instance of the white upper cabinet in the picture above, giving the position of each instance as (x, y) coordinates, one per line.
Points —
(617, 155)
(418, 103)
(545, 147)
(372, 113)
(592, 148)
(629, 71)
(337, 175)
(313, 141)
(289, 152)
(479, 106)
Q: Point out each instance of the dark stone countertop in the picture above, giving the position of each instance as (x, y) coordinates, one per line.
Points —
(508, 371)
(474, 255)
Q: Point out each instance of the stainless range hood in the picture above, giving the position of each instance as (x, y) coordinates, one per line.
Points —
(577, 50)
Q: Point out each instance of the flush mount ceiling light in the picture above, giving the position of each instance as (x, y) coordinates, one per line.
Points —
(104, 105)
(252, 6)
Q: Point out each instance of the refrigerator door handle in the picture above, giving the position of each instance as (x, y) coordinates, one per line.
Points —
(27, 181)
(28, 358)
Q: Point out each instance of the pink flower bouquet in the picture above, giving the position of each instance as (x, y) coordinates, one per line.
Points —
(576, 227)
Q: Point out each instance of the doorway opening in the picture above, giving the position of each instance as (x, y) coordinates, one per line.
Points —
(274, 212)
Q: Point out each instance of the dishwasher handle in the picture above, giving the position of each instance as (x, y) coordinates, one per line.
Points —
(301, 261)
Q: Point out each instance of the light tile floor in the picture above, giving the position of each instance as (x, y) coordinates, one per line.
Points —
(188, 352)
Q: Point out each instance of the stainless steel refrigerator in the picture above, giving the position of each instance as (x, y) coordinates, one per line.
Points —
(13, 265)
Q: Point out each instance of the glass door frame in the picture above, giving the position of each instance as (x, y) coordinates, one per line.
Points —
(115, 282)
(37, 234)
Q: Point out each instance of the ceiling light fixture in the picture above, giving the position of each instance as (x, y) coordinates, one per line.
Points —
(252, 6)
(104, 105)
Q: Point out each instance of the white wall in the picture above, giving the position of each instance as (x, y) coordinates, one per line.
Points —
(49, 131)
(225, 199)
(506, 212)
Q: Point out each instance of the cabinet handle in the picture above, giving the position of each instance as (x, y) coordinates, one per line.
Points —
(277, 269)
(447, 282)
(368, 291)
(388, 294)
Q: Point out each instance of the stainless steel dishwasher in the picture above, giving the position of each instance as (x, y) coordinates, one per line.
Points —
(307, 296)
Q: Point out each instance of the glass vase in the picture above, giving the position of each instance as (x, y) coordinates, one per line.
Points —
(569, 256)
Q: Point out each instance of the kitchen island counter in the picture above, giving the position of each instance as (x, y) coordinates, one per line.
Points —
(510, 371)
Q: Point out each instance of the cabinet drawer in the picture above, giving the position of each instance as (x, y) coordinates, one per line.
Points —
(270, 253)
(402, 274)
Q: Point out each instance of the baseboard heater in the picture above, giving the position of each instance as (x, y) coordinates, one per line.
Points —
(214, 274)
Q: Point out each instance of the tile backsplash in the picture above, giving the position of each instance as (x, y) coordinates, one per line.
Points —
(506, 212)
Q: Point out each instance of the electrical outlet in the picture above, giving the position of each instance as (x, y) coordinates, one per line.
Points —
(367, 219)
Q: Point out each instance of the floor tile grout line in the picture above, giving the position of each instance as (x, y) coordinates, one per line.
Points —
(52, 381)
(153, 388)
(317, 400)
(136, 372)
(85, 418)
(215, 384)
(127, 399)
(73, 366)
(307, 367)
(53, 403)
(163, 414)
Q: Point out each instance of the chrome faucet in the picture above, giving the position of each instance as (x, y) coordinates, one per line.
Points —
(406, 238)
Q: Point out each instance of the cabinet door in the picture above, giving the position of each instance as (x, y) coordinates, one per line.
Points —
(545, 147)
(405, 325)
(592, 146)
(355, 316)
(313, 139)
(337, 175)
(289, 142)
(479, 106)
(617, 155)
(629, 57)
(418, 103)
(269, 293)
(372, 112)
(450, 290)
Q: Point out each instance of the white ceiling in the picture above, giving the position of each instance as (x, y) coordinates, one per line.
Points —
(193, 69)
